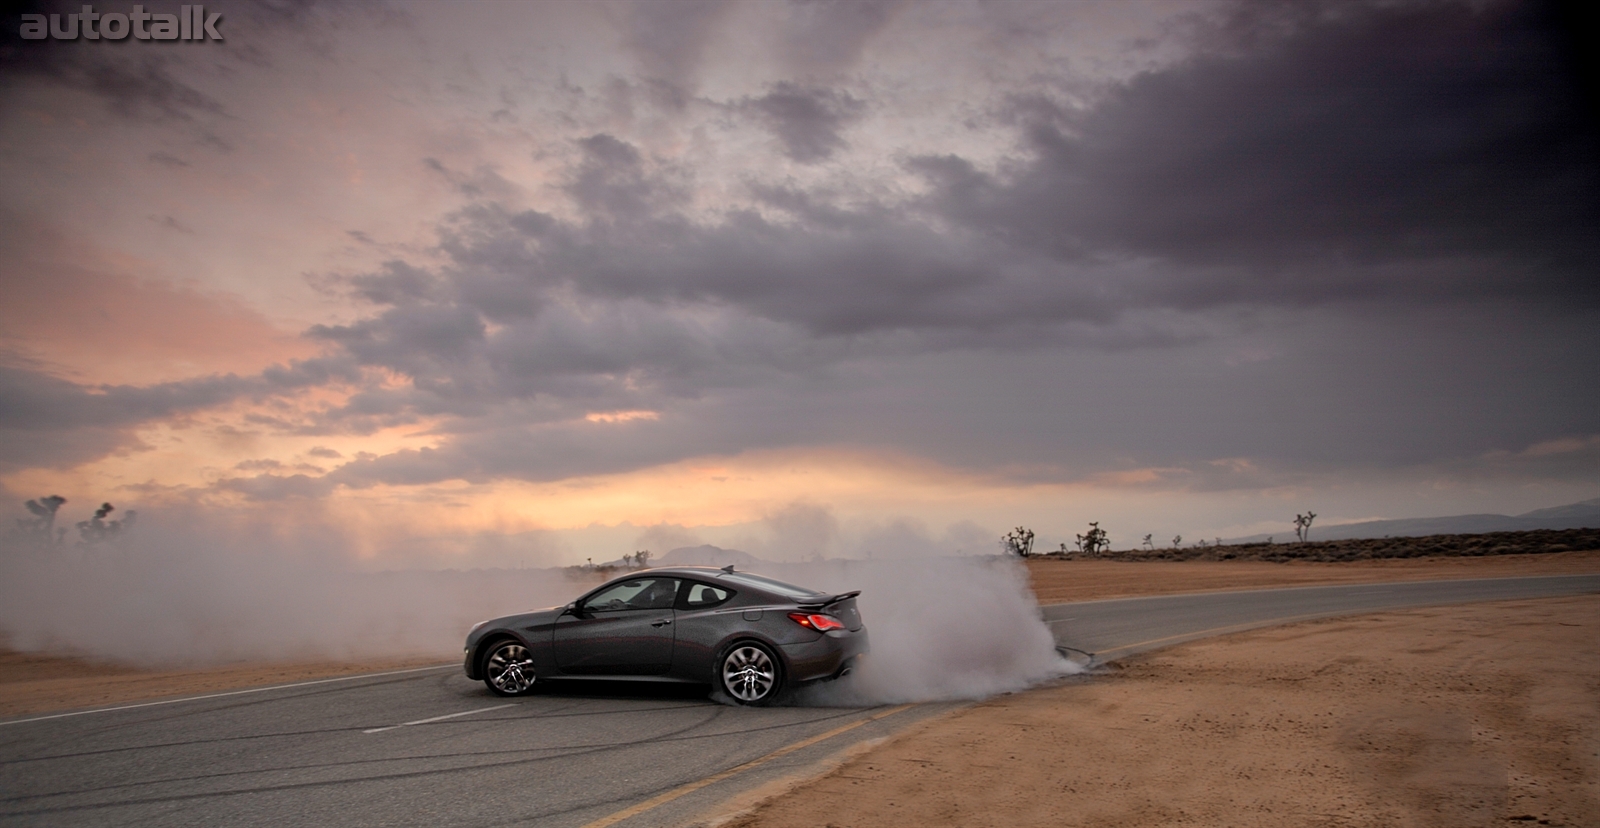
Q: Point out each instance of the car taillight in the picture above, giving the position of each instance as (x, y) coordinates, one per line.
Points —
(814, 621)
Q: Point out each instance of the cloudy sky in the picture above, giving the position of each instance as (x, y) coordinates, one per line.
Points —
(552, 280)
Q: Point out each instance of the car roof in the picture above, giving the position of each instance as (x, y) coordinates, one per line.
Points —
(749, 580)
(693, 571)
(745, 580)
(702, 571)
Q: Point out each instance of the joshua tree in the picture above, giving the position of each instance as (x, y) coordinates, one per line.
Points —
(1095, 542)
(1177, 540)
(641, 559)
(42, 526)
(99, 529)
(1018, 541)
(1302, 525)
(1149, 544)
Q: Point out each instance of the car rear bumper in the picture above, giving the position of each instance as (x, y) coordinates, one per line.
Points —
(826, 657)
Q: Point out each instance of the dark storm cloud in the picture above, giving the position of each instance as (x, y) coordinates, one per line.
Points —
(806, 121)
(150, 81)
(1424, 154)
(136, 85)
(575, 354)
(1404, 157)
(145, 89)
(35, 400)
(397, 283)
(827, 269)
(613, 183)
(49, 421)
(46, 421)
(1400, 135)
(1361, 161)
(522, 442)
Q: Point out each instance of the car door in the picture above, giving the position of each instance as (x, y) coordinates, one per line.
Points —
(703, 621)
(625, 629)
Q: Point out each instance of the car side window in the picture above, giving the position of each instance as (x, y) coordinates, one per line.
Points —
(637, 593)
(701, 596)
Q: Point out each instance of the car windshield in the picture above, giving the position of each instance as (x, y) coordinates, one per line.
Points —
(770, 585)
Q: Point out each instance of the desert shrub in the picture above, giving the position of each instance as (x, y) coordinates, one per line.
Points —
(1539, 541)
(1018, 541)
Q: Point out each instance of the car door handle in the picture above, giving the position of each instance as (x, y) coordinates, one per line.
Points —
(661, 623)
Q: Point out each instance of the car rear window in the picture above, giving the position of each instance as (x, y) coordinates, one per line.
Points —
(770, 585)
(705, 595)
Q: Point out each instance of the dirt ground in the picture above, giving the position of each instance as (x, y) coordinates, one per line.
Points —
(1058, 581)
(32, 683)
(1477, 715)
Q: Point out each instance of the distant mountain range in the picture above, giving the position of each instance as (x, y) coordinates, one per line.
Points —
(706, 555)
(1585, 514)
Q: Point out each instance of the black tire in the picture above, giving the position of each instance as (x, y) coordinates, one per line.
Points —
(750, 673)
(508, 669)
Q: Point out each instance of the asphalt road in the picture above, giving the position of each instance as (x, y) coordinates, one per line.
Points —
(428, 747)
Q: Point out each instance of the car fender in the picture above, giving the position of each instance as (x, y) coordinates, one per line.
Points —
(532, 630)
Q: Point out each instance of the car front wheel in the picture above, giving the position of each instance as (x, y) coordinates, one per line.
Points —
(750, 673)
(508, 669)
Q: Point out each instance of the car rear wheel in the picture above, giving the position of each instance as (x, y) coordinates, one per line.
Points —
(750, 673)
(508, 669)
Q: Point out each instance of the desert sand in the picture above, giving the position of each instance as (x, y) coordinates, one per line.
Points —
(1477, 715)
(1059, 581)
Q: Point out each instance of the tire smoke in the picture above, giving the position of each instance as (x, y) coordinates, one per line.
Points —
(191, 593)
(941, 628)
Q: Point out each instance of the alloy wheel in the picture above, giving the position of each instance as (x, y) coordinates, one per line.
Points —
(510, 669)
(748, 673)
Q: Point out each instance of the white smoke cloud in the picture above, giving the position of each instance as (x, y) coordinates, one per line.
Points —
(941, 628)
(192, 590)
(189, 591)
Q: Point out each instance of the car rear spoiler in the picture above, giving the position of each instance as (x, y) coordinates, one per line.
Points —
(828, 600)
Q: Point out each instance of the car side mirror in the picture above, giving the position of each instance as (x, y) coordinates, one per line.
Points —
(573, 609)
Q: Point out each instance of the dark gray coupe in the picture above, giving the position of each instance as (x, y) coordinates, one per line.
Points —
(748, 635)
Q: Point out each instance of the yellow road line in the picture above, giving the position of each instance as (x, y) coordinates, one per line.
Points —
(664, 798)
